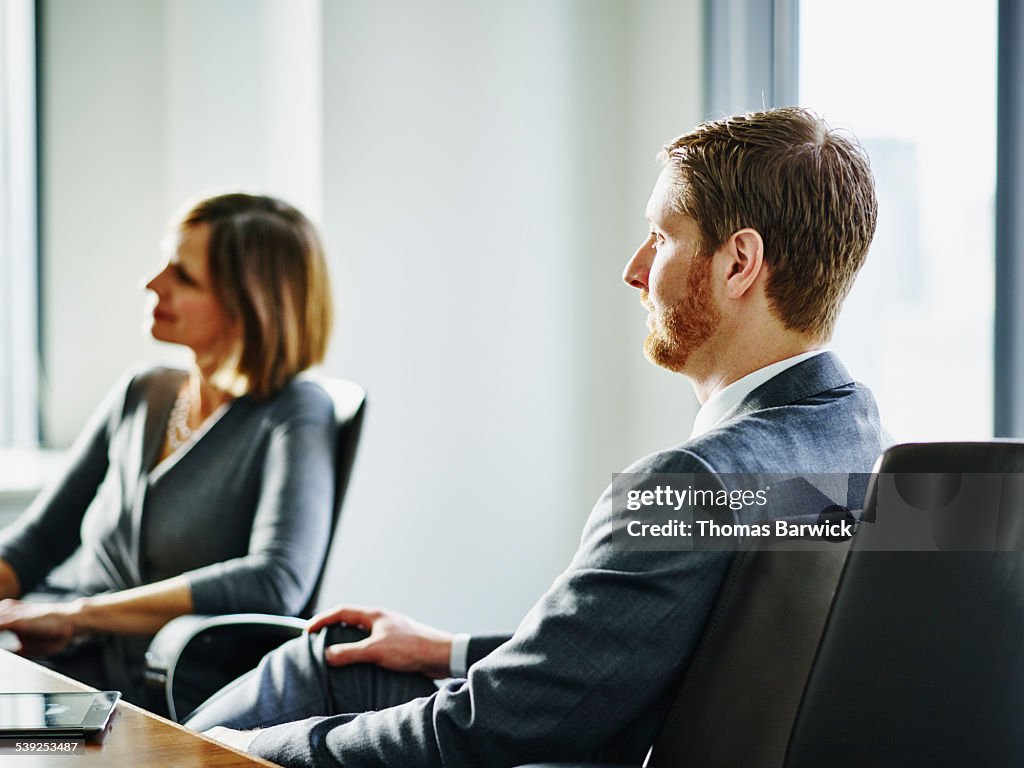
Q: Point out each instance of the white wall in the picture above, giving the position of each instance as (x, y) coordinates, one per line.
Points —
(144, 105)
(480, 170)
(102, 185)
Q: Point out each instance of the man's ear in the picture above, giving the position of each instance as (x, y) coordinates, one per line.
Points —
(745, 250)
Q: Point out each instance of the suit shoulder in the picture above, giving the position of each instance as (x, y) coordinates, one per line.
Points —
(835, 431)
(303, 399)
(145, 381)
(677, 459)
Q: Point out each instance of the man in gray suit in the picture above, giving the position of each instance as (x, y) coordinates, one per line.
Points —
(758, 226)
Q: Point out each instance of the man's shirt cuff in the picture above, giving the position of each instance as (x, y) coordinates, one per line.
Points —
(457, 661)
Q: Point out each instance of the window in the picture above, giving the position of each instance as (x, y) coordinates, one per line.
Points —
(19, 417)
(917, 84)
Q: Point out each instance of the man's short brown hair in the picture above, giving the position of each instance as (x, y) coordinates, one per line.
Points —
(806, 188)
(268, 271)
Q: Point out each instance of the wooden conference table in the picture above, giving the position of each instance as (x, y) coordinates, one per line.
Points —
(134, 738)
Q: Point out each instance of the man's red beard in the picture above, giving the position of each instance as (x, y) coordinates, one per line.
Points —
(679, 330)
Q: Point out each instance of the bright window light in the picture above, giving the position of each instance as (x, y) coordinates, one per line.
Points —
(916, 81)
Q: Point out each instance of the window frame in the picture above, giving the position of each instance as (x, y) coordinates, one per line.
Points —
(745, 69)
(1008, 373)
(19, 225)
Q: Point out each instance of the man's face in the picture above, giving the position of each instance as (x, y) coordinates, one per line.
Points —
(674, 282)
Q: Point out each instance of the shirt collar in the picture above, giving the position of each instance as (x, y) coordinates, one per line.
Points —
(715, 409)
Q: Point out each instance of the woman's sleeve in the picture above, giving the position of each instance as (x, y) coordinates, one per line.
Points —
(291, 529)
(46, 533)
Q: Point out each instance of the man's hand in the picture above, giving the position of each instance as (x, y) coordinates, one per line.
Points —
(396, 642)
(240, 740)
(42, 628)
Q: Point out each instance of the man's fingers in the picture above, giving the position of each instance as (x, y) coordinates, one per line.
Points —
(340, 654)
(360, 617)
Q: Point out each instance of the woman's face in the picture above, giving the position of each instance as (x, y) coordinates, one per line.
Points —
(186, 310)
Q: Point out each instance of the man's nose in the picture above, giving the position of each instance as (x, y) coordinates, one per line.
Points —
(638, 268)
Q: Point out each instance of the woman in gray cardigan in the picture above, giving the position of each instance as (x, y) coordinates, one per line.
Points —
(201, 491)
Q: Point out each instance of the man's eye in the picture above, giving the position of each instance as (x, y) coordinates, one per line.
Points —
(657, 239)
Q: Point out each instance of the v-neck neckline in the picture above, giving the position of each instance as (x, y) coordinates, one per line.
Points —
(162, 466)
(171, 459)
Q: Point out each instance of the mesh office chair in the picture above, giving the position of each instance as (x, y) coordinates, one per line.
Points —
(850, 656)
(192, 657)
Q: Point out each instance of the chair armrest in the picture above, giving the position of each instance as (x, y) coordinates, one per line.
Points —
(233, 643)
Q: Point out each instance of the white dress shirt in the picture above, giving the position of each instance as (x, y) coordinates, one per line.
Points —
(717, 406)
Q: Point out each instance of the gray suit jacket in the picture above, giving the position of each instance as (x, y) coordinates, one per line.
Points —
(602, 647)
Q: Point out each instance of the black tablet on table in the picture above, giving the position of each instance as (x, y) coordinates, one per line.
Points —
(65, 714)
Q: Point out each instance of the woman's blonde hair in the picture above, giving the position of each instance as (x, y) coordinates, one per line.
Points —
(268, 271)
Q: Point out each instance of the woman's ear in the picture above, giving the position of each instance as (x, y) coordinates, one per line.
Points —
(745, 251)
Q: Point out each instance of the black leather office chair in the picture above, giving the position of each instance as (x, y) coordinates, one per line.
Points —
(224, 647)
(850, 655)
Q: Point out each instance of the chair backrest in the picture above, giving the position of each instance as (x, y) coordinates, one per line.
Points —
(845, 655)
(349, 410)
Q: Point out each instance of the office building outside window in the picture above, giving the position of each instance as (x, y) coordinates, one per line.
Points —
(917, 84)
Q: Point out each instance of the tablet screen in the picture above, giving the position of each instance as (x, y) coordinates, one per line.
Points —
(21, 711)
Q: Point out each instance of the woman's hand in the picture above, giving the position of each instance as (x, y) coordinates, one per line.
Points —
(46, 628)
(396, 642)
(43, 629)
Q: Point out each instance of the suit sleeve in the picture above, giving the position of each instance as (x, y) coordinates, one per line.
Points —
(605, 641)
(467, 650)
(484, 645)
(48, 531)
